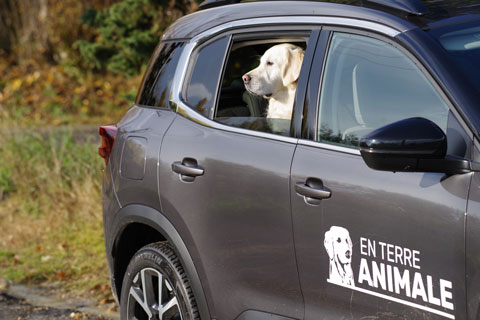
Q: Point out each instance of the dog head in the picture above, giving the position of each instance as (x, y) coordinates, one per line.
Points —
(279, 67)
(338, 244)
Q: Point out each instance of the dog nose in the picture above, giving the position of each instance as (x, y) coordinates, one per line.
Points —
(347, 254)
(246, 78)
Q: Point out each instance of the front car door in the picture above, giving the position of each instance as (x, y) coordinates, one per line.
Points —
(375, 244)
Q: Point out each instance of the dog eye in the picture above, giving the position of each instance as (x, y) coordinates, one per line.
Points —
(339, 240)
(269, 63)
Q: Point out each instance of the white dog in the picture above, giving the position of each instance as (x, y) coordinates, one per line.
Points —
(339, 248)
(276, 78)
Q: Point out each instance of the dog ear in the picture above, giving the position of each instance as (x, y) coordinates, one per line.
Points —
(291, 70)
(350, 244)
(328, 243)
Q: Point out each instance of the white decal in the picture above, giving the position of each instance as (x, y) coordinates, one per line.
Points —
(339, 248)
(382, 275)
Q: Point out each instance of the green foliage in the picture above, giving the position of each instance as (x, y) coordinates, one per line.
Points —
(6, 183)
(125, 34)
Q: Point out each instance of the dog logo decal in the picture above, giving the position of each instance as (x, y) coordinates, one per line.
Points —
(339, 248)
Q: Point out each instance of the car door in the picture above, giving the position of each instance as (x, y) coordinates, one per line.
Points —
(375, 244)
(225, 184)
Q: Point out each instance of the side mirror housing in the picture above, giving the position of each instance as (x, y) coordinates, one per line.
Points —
(410, 145)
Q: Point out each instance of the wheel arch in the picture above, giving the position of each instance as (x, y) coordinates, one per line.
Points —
(136, 226)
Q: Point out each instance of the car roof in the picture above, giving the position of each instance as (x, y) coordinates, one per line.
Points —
(402, 15)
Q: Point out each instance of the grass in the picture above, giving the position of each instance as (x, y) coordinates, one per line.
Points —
(51, 229)
(50, 211)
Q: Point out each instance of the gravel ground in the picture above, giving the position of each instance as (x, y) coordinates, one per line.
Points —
(12, 308)
(19, 302)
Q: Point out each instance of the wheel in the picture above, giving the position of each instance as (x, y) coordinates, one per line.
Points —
(155, 287)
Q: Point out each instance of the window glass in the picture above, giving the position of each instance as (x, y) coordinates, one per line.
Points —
(259, 84)
(462, 42)
(368, 84)
(201, 89)
(157, 87)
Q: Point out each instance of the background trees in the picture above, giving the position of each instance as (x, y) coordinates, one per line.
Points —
(22, 22)
(77, 61)
(125, 34)
(112, 34)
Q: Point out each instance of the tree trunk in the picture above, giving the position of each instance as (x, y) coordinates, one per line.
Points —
(24, 24)
(5, 44)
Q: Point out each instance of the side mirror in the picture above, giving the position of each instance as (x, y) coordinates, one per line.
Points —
(410, 145)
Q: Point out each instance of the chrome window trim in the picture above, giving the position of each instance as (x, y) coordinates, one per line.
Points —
(326, 146)
(189, 113)
(300, 20)
(183, 63)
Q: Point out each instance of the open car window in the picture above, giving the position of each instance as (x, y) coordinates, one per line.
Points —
(250, 84)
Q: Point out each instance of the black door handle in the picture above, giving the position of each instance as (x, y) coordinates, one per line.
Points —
(180, 168)
(314, 193)
(188, 169)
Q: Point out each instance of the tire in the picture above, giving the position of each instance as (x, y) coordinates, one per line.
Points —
(152, 267)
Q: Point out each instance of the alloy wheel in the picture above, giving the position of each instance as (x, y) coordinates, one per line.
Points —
(152, 297)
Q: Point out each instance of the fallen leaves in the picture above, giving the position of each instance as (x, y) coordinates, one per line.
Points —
(76, 315)
(61, 275)
(40, 93)
(16, 84)
(102, 288)
(112, 309)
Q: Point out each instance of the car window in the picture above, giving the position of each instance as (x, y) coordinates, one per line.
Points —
(201, 88)
(369, 83)
(156, 89)
(259, 83)
(461, 41)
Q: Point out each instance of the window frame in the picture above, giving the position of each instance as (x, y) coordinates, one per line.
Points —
(191, 67)
(310, 132)
(256, 36)
(257, 33)
(260, 23)
(149, 70)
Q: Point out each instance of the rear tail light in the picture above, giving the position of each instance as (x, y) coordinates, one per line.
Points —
(108, 134)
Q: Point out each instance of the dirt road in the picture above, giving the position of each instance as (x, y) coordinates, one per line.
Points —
(12, 308)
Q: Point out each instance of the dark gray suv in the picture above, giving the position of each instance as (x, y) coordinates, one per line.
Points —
(363, 204)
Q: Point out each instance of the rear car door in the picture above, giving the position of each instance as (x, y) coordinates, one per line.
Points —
(369, 243)
(224, 174)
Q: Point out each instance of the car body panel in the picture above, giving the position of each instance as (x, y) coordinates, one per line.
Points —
(473, 249)
(373, 207)
(237, 215)
(147, 125)
(140, 214)
(119, 191)
(110, 206)
(424, 212)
